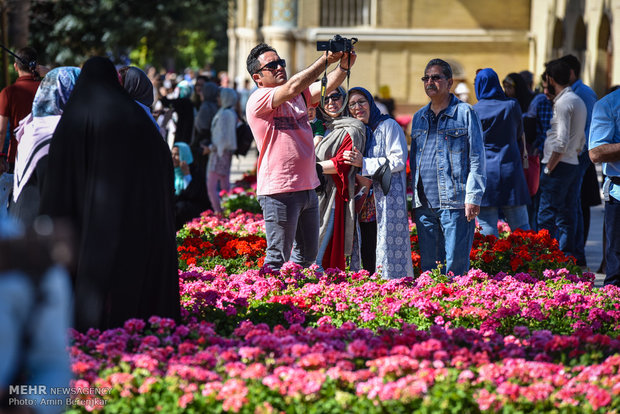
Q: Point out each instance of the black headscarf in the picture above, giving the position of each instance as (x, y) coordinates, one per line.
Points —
(139, 86)
(524, 95)
(111, 175)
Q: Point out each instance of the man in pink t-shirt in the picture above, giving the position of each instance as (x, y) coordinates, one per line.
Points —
(277, 115)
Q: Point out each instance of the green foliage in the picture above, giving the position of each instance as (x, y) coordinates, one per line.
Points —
(234, 202)
(67, 32)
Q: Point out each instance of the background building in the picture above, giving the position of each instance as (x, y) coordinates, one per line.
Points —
(398, 37)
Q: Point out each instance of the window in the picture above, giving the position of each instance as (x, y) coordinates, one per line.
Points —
(345, 13)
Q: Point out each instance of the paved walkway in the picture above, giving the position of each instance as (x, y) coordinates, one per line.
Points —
(594, 245)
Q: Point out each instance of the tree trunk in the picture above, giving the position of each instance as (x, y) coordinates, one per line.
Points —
(4, 21)
(19, 22)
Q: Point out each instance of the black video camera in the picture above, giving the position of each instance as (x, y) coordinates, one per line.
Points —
(337, 44)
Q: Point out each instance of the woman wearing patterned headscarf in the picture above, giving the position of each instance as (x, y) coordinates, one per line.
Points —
(385, 142)
(34, 135)
(338, 230)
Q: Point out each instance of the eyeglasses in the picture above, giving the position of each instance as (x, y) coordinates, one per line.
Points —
(335, 97)
(271, 66)
(359, 103)
(433, 78)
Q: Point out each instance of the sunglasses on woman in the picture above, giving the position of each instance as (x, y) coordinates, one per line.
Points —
(334, 97)
(271, 66)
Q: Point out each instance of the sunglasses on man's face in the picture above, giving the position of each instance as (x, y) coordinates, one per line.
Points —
(272, 66)
(433, 78)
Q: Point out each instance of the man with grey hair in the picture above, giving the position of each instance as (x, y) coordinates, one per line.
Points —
(448, 165)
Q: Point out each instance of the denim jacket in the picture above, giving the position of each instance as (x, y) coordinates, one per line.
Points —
(461, 167)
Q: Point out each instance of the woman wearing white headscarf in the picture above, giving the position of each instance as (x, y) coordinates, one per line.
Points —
(34, 136)
(222, 147)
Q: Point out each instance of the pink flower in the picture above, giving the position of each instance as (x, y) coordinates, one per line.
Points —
(485, 399)
(598, 397)
(185, 399)
(146, 385)
(134, 325)
(234, 394)
(211, 388)
(324, 320)
(145, 361)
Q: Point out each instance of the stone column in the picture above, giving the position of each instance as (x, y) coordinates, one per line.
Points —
(280, 34)
(246, 36)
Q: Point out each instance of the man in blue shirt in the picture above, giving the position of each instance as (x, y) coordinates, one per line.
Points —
(588, 96)
(448, 164)
(604, 146)
(541, 111)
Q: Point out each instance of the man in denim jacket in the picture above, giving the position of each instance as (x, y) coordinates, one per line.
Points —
(448, 166)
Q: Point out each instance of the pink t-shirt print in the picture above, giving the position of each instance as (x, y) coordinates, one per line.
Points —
(286, 162)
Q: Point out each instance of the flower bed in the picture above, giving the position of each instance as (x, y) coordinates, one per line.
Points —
(562, 304)
(240, 198)
(525, 336)
(346, 369)
(236, 242)
(201, 242)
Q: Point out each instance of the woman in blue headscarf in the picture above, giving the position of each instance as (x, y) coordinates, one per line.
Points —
(385, 142)
(502, 126)
(190, 193)
(34, 136)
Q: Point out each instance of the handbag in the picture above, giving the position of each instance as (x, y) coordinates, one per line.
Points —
(531, 169)
(384, 176)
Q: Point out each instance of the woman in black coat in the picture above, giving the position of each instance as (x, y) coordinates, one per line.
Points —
(110, 174)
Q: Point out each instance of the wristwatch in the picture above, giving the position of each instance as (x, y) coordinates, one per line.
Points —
(547, 171)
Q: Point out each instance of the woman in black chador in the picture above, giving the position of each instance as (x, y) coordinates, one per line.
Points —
(111, 175)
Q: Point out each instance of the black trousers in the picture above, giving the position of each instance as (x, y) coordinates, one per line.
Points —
(368, 248)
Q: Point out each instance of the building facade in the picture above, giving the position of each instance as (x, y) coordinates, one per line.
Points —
(396, 38)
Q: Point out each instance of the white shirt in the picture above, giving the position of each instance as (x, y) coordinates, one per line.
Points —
(395, 146)
(566, 135)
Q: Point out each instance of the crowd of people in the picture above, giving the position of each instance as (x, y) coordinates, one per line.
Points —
(115, 150)
(89, 155)
(515, 155)
(120, 159)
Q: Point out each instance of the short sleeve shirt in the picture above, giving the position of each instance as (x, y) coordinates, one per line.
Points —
(605, 129)
(16, 104)
(286, 161)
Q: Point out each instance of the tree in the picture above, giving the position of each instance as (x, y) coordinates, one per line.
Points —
(67, 32)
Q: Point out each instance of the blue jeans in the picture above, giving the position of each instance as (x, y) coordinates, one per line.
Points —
(532, 211)
(612, 229)
(291, 222)
(580, 240)
(445, 236)
(516, 217)
(558, 205)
